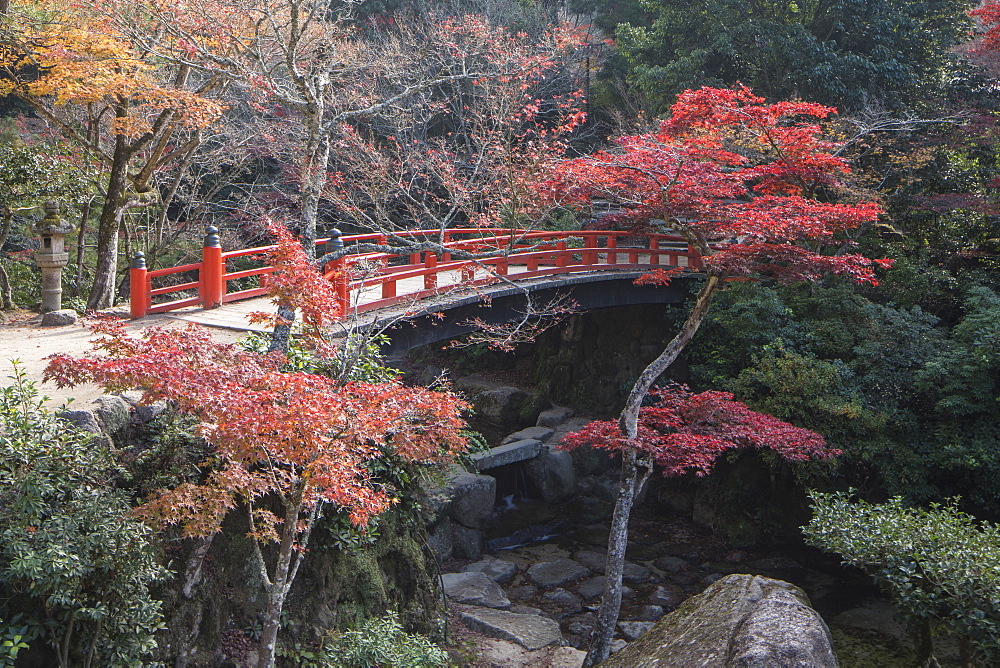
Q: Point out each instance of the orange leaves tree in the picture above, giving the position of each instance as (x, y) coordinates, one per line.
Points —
(129, 112)
(465, 152)
(287, 445)
(747, 184)
(422, 121)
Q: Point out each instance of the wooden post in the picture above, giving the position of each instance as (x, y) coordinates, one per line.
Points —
(138, 293)
(212, 283)
(562, 259)
(388, 289)
(341, 284)
(532, 262)
(612, 245)
(430, 278)
(590, 242)
(654, 245)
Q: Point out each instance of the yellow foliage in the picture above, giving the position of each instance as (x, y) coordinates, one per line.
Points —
(57, 54)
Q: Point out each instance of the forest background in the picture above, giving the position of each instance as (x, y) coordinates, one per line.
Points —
(147, 136)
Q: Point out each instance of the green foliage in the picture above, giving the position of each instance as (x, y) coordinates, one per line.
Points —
(25, 279)
(335, 531)
(841, 53)
(29, 175)
(744, 320)
(166, 454)
(381, 642)
(14, 636)
(910, 400)
(359, 358)
(80, 565)
(962, 378)
(938, 564)
(803, 389)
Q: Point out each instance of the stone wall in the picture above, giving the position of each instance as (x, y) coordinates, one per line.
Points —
(590, 360)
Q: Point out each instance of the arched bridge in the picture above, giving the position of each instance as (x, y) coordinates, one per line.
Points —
(598, 266)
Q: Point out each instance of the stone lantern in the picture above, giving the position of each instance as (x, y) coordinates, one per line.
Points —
(52, 256)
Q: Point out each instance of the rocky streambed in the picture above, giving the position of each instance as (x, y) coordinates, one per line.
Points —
(523, 554)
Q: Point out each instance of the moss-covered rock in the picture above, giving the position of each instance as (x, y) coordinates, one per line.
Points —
(741, 620)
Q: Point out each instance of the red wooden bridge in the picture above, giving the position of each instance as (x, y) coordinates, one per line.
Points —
(369, 281)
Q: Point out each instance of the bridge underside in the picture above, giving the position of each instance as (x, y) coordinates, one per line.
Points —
(503, 304)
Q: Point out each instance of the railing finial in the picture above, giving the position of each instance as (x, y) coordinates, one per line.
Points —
(334, 243)
(138, 261)
(212, 237)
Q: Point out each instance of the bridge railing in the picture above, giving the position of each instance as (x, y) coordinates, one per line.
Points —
(391, 278)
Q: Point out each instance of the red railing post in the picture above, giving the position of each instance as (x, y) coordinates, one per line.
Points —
(694, 258)
(468, 272)
(138, 291)
(445, 240)
(532, 261)
(562, 260)
(212, 285)
(388, 289)
(612, 245)
(590, 242)
(341, 284)
(430, 278)
(654, 245)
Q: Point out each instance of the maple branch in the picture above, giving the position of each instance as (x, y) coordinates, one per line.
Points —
(314, 514)
(85, 142)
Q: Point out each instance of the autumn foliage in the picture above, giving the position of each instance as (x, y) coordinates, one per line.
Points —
(682, 431)
(989, 14)
(290, 434)
(740, 179)
(285, 443)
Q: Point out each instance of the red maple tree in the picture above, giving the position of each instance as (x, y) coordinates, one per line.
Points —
(293, 441)
(748, 185)
(989, 14)
(685, 432)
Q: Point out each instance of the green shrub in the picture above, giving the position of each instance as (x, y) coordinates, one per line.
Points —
(72, 560)
(939, 566)
(383, 643)
(14, 636)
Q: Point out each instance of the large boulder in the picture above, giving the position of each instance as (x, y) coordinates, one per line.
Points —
(469, 499)
(741, 621)
(501, 405)
(551, 475)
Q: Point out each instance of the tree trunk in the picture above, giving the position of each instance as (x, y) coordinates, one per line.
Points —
(102, 294)
(611, 600)
(5, 291)
(6, 294)
(281, 335)
(628, 423)
(278, 589)
(313, 184)
(81, 250)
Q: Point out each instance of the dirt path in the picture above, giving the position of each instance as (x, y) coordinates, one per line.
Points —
(22, 338)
